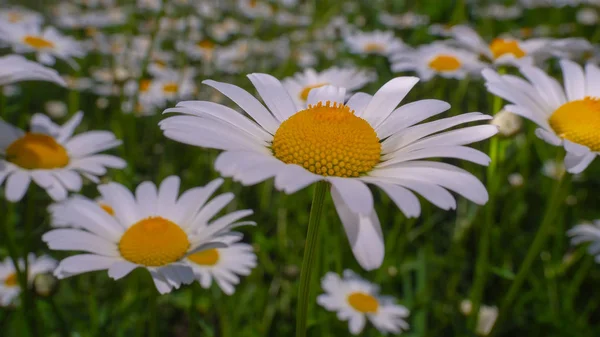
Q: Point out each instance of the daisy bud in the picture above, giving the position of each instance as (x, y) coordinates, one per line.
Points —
(508, 123)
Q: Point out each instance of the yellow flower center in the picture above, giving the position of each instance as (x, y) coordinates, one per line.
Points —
(107, 209)
(501, 47)
(205, 258)
(170, 88)
(364, 303)
(37, 42)
(145, 85)
(307, 89)
(11, 280)
(206, 44)
(37, 151)
(579, 122)
(444, 63)
(374, 48)
(252, 3)
(328, 140)
(154, 241)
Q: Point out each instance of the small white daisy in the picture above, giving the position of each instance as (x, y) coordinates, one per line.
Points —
(502, 50)
(300, 84)
(587, 232)
(568, 117)
(48, 43)
(156, 229)
(223, 264)
(52, 157)
(21, 15)
(16, 68)
(437, 59)
(9, 282)
(364, 141)
(375, 42)
(356, 300)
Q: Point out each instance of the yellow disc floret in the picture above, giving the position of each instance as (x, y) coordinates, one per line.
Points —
(579, 122)
(11, 280)
(328, 140)
(154, 241)
(208, 257)
(364, 303)
(37, 42)
(501, 47)
(37, 151)
(444, 63)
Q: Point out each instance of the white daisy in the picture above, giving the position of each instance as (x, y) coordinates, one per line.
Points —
(59, 216)
(587, 232)
(223, 264)
(16, 68)
(375, 42)
(568, 117)
(9, 282)
(155, 230)
(48, 43)
(21, 16)
(255, 8)
(300, 84)
(502, 50)
(355, 300)
(437, 59)
(52, 157)
(366, 140)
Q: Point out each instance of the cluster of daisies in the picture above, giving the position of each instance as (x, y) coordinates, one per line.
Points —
(314, 126)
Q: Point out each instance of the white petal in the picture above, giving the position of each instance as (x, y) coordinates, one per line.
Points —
(16, 185)
(574, 79)
(358, 102)
(326, 93)
(387, 98)
(548, 137)
(409, 115)
(293, 178)
(120, 269)
(274, 95)
(406, 201)
(355, 193)
(83, 263)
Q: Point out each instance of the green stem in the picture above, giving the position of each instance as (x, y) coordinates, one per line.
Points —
(153, 314)
(62, 323)
(552, 209)
(309, 258)
(481, 266)
(192, 309)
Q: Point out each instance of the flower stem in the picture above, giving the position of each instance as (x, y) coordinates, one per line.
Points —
(309, 258)
(552, 209)
(483, 250)
(153, 314)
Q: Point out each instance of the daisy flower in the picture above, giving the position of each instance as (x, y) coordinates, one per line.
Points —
(9, 282)
(16, 68)
(502, 50)
(52, 157)
(59, 216)
(21, 16)
(568, 117)
(355, 300)
(153, 229)
(48, 43)
(223, 264)
(300, 84)
(376, 42)
(587, 232)
(366, 140)
(437, 59)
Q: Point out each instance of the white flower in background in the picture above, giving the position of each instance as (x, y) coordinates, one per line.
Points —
(502, 50)
(500, 12)
(48, 43)
(300, 84)
(16, 68)
(485, 319)
(587, 16)
(437, 59)
(568, 117)
(587, 232)
(223, 264)
(356, 300)
(155, 229)
(508, 123)
(204, 49)
(21, 16)
(441, 30)
(56, 109)
(173, 84)
(255, 8)
(365, 141)
(375, 42)
(53, 157)
(403, 21)
(516, 179)
(10, 288)
(223, 30)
